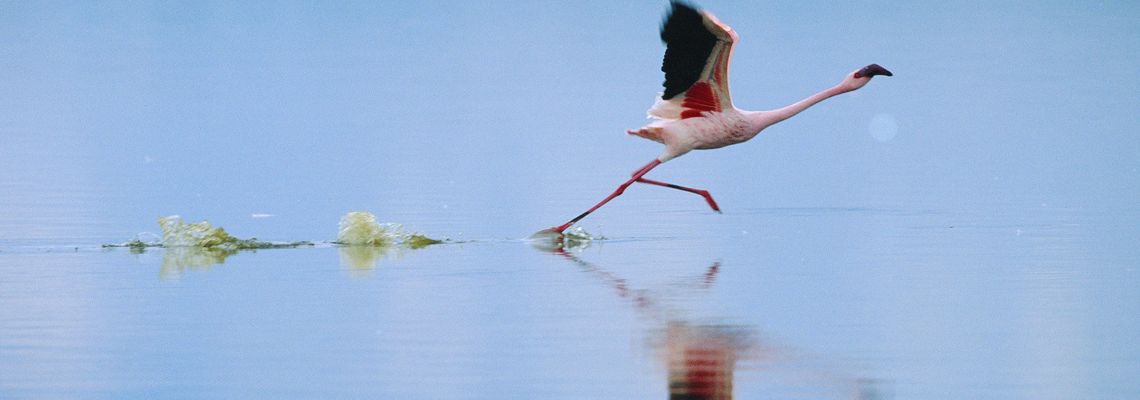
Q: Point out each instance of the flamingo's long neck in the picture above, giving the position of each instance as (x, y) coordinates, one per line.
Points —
(764, 119)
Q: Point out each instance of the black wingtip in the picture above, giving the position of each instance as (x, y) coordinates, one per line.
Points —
(688, 44)
(679, 9)
(683, 7)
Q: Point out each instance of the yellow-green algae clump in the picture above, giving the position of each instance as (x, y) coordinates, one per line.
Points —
(177, 233)
(364, 240)
(360, 228)
(199, 245)
(196, 245)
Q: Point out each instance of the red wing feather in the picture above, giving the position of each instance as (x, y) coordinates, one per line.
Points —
(699, 98)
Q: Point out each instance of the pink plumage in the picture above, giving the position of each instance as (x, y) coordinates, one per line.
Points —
(695, 112)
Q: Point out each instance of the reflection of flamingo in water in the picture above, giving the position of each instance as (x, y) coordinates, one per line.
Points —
(701, 359)
(696, 111)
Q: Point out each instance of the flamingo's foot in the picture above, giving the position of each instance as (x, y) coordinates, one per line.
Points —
(550, 234)
(550, 239)
(709, 199)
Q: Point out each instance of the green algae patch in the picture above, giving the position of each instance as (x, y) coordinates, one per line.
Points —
(363, 241)
(177, 233)
(418, 241)
(135, 245)
(195, 245)
(360, 228)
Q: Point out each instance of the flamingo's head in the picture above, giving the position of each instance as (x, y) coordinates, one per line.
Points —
(860, 77)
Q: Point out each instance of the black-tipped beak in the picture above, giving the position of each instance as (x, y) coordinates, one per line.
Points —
(872, 70)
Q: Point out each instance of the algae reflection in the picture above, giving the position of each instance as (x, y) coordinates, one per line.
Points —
(701, 358)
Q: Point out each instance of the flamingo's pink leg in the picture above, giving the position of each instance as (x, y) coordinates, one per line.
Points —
(621, 189)
(701, 192)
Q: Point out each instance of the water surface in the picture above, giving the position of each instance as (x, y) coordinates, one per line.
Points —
(965, 229)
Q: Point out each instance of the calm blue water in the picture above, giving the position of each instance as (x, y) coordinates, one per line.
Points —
(965, 229)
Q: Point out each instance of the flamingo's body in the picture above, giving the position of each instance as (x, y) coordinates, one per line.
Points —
(695, 111)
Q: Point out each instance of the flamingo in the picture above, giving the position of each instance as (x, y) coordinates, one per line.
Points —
(695, 112)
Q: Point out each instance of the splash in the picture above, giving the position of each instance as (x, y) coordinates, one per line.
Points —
(360, 228)
(573, 239)
(579, 238)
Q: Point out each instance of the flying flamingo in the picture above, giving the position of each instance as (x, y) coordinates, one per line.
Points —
(696, 111)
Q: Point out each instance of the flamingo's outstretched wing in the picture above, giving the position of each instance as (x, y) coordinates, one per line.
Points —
(698, 51)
